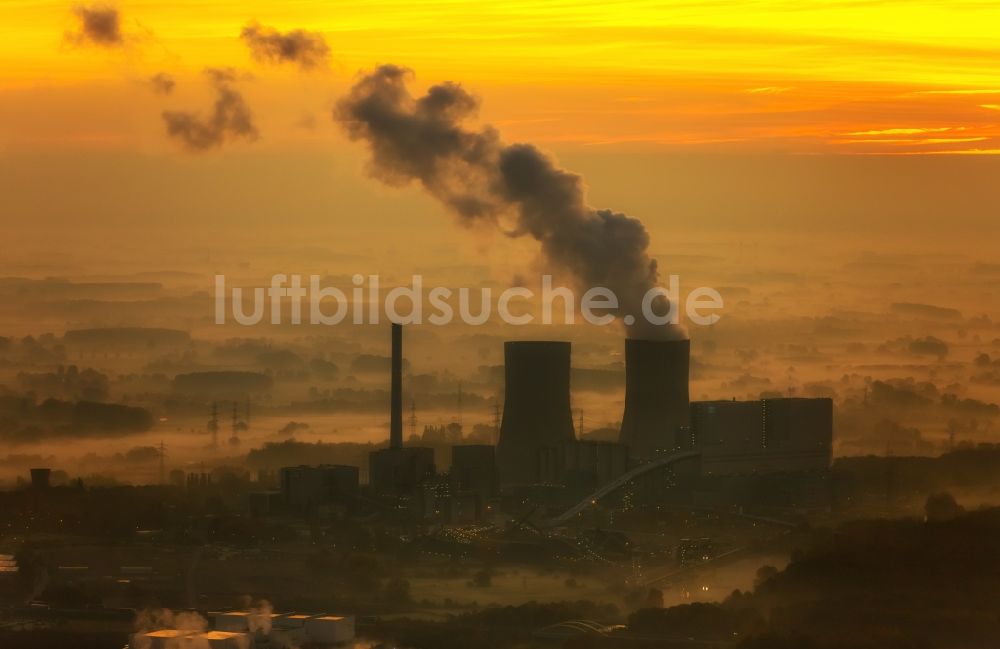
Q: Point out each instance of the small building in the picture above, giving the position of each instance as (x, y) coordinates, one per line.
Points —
(330, 629)
(188, 639)
(233, 621)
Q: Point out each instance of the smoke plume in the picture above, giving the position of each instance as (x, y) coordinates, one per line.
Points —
(516, 187)
(162, 83)
(268, 45)
(261, 617)
(230, 118)
(98, 25)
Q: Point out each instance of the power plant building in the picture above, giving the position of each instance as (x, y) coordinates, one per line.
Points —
(538, 446)
(764, 436)
(589, 463)
(306, 487)
(474, 470)
(400, 471)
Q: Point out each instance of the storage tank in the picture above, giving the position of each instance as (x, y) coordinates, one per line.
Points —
(330, 629)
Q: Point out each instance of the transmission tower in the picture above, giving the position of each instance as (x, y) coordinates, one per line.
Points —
(235, 439)
(163, 463)
(213, 425)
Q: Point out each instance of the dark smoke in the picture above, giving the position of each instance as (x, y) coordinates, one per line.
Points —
(268, 45)
(98, 25)
(162, 83)
(230, 118)
(516, 187)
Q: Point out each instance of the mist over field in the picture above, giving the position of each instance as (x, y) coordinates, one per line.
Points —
(906, 343)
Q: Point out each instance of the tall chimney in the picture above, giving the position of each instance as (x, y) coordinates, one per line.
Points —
(536, 411)
(396, 417)
(657, 407)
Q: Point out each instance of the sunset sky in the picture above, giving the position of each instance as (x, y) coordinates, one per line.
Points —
(721, 116)
(866, 76)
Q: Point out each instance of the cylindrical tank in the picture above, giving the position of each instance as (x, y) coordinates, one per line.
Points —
(536, 411)
(657, 405)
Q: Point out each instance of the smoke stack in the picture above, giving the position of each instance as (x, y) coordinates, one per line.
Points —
(657, 405)
(536, 410)
(396, 417)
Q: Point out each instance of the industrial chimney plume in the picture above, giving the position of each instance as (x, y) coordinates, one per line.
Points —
(396, 416)
(513, 187)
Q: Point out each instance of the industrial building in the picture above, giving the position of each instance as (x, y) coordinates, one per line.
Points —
(255, 630)
(474, 470)
(400, 471)
(440, 501)
(763, 436)
(305, 487)
(184, 638)
(588, 464)
(538, 445)
(538, 451)
(288, 629)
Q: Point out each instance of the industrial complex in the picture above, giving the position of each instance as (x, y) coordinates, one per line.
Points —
(542, 495)
(703, 445)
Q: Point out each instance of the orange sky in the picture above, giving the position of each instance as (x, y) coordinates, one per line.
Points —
(843, 76)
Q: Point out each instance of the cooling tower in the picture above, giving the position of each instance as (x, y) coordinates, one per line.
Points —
(657, 408)
(536, 411)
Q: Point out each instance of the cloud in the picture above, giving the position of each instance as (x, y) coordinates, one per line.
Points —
(162, 83)
(268, 45)
(230, 118)
(515, 188)
(97, 25)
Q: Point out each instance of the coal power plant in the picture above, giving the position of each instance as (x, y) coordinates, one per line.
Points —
(536, 413)
(669, 449)
(538, 444)
(657, 407)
